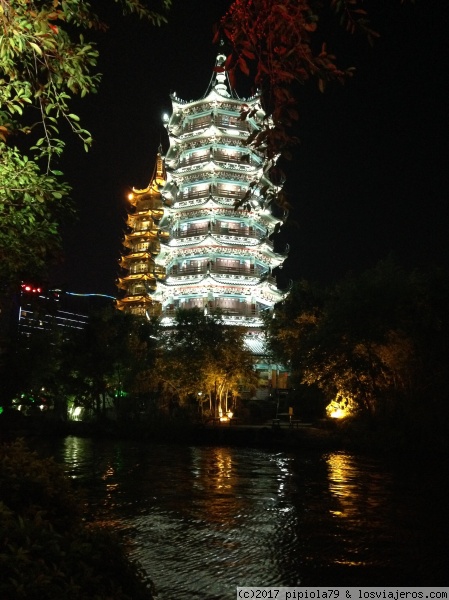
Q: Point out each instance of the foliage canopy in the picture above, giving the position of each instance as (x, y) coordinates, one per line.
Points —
(45, 62)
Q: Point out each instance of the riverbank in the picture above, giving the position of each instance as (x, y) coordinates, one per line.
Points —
(224, 434)
(323, 435)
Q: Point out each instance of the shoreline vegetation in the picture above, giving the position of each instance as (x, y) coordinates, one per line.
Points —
(49, 550)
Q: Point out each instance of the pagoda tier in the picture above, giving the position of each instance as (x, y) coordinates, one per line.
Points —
(141, 245)
(217, 252)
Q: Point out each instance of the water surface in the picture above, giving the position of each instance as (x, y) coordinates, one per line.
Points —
(202, 520)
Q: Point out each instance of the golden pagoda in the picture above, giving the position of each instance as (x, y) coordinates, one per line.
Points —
(142, 245)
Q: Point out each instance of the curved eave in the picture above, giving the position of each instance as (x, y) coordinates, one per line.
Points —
(179, 104)
(137, 256)
(132, 278)
(169, 253)
(144, 235)
(135, 300)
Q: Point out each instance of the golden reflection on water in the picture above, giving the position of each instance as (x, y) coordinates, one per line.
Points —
(355, 499)
(229, 491)
(358, 504)
(214, 469)
(224, 479)
(341, 484)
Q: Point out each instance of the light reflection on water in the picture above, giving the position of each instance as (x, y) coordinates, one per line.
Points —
(203, 520)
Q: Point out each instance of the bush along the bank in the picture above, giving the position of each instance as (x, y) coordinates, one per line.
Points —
(47, 551)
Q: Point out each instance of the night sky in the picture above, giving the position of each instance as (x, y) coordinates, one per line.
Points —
(368, 179)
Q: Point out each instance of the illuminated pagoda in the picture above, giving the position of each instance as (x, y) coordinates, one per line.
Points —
(189, 245)
(216, 256)
(142, 245)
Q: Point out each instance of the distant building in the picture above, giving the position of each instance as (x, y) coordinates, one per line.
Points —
(42, 310)
(200, 233)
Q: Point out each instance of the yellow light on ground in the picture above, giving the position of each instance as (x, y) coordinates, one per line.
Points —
(337, 414)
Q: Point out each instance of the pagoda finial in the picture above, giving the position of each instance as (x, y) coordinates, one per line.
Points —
(159, 174)
(220, 77)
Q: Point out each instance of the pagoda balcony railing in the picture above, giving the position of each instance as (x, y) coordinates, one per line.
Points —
(192, 195)
(139, 228)
(218, 121)
(216, 269)
(194, 160)
(245, 311)
(155, 270)
(226, 270)
(237, 232)
(239, 159)
(196, 125)
(217, 192)
(237, 124)
(153, 310)
(192, 232)
(181, 271)
(248, 232)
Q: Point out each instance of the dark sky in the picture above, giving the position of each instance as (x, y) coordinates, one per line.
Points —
(369, 177)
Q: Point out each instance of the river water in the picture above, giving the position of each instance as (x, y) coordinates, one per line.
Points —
(202, 520)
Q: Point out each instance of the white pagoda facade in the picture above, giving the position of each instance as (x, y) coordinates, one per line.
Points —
(190, 242)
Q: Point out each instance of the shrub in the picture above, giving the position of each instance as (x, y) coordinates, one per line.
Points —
(47, 550)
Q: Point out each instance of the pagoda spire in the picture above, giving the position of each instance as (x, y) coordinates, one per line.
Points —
(221, 79)
(159, 174)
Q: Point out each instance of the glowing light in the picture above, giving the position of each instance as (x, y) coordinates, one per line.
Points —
(342, 406)
(337, 414)
(30, 288)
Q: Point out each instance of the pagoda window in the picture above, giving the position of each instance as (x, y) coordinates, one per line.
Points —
(191, 303)
(231, 305)
(138, 288)
(229, 189)
(197, 123)
(143, 225)
(141, 246)
(228, 154)
(231, 122)
(196, 157)
(234, 265)
(233, 227)
(195, 191)
(193, 266)
(189, 229)
(139, 268)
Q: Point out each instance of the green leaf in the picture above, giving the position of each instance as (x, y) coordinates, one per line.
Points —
(36, 47)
